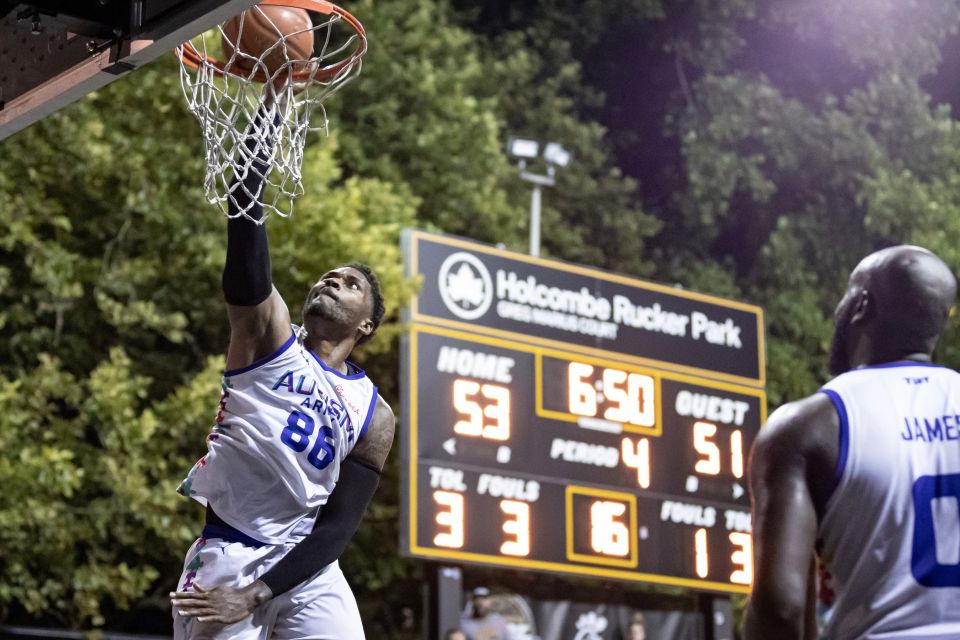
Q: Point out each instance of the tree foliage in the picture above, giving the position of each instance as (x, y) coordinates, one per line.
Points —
(789, 187)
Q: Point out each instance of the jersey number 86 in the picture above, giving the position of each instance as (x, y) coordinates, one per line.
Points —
(296, 435)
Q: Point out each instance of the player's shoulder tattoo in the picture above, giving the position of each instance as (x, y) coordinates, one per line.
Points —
(376, 443)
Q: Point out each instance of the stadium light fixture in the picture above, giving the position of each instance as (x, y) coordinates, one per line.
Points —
(554, 153)
(523, 149)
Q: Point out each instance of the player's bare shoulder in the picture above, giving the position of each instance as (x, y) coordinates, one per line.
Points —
(376, 443)
(799, 423)
(803, 435)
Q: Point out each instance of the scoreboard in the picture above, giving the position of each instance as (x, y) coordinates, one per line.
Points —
(565, 419)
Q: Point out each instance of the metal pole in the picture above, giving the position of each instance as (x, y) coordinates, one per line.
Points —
(535, 221)
(444, 603)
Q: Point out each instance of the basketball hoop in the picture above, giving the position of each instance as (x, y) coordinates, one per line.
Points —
(255, 106)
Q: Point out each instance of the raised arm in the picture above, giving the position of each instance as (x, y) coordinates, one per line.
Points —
(786, 454)
(339, 519)
(259, 319)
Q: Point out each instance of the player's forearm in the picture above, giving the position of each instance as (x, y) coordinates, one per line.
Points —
(339, 520)
(321, 548)
(247, 276)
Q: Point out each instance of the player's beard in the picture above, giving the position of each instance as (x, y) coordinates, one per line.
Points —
(324, 307)
(839, 361)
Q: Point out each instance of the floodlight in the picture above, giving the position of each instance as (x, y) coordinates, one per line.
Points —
(523, 148)
(556, 154)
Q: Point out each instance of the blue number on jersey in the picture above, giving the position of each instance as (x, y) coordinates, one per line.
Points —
(296, 435)
(923, 562)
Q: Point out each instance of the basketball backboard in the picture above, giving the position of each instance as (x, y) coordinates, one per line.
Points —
(53, 52)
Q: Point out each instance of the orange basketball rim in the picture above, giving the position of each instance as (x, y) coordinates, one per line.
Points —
(189, 54)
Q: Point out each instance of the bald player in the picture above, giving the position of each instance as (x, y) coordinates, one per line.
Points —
(867, 470)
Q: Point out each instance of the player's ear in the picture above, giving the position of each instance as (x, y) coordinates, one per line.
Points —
(366, 327)
(863, 308)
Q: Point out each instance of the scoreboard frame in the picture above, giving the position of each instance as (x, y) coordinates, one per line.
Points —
(415, 480)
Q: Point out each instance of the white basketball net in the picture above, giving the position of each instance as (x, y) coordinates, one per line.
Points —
(257, 121)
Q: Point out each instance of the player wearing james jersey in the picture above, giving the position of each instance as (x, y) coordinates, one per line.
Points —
(299, 428)
(867, 470)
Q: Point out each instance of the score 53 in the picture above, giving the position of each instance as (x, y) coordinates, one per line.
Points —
(486, 408)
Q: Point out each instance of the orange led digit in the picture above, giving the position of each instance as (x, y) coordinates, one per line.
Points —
(518, 527)
(621, 412)
(641, 391)
(736, 453)
(452, 519)
(700, 552)
(743, 557)
(702, 432)
(582, 396)
(608, 535)
(462, 390)
(499, 412)
(637, 456)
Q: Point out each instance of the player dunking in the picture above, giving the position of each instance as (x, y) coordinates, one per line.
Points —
(299, 428)
(868, 470)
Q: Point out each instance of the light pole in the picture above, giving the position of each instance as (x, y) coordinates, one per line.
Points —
(555, 156)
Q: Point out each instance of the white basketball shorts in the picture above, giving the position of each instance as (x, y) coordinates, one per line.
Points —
(322, 608)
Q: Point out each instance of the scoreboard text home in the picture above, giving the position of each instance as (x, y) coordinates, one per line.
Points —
(566, 419)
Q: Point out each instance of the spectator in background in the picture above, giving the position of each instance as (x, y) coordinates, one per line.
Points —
(480, 622)
(638, 627)
(454, 634)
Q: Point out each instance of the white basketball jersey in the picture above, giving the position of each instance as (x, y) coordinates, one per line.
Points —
(890, 533)
(284, 426)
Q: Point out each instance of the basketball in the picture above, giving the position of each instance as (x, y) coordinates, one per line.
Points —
(257, 31)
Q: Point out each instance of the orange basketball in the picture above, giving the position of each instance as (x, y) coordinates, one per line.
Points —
(263, 27)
